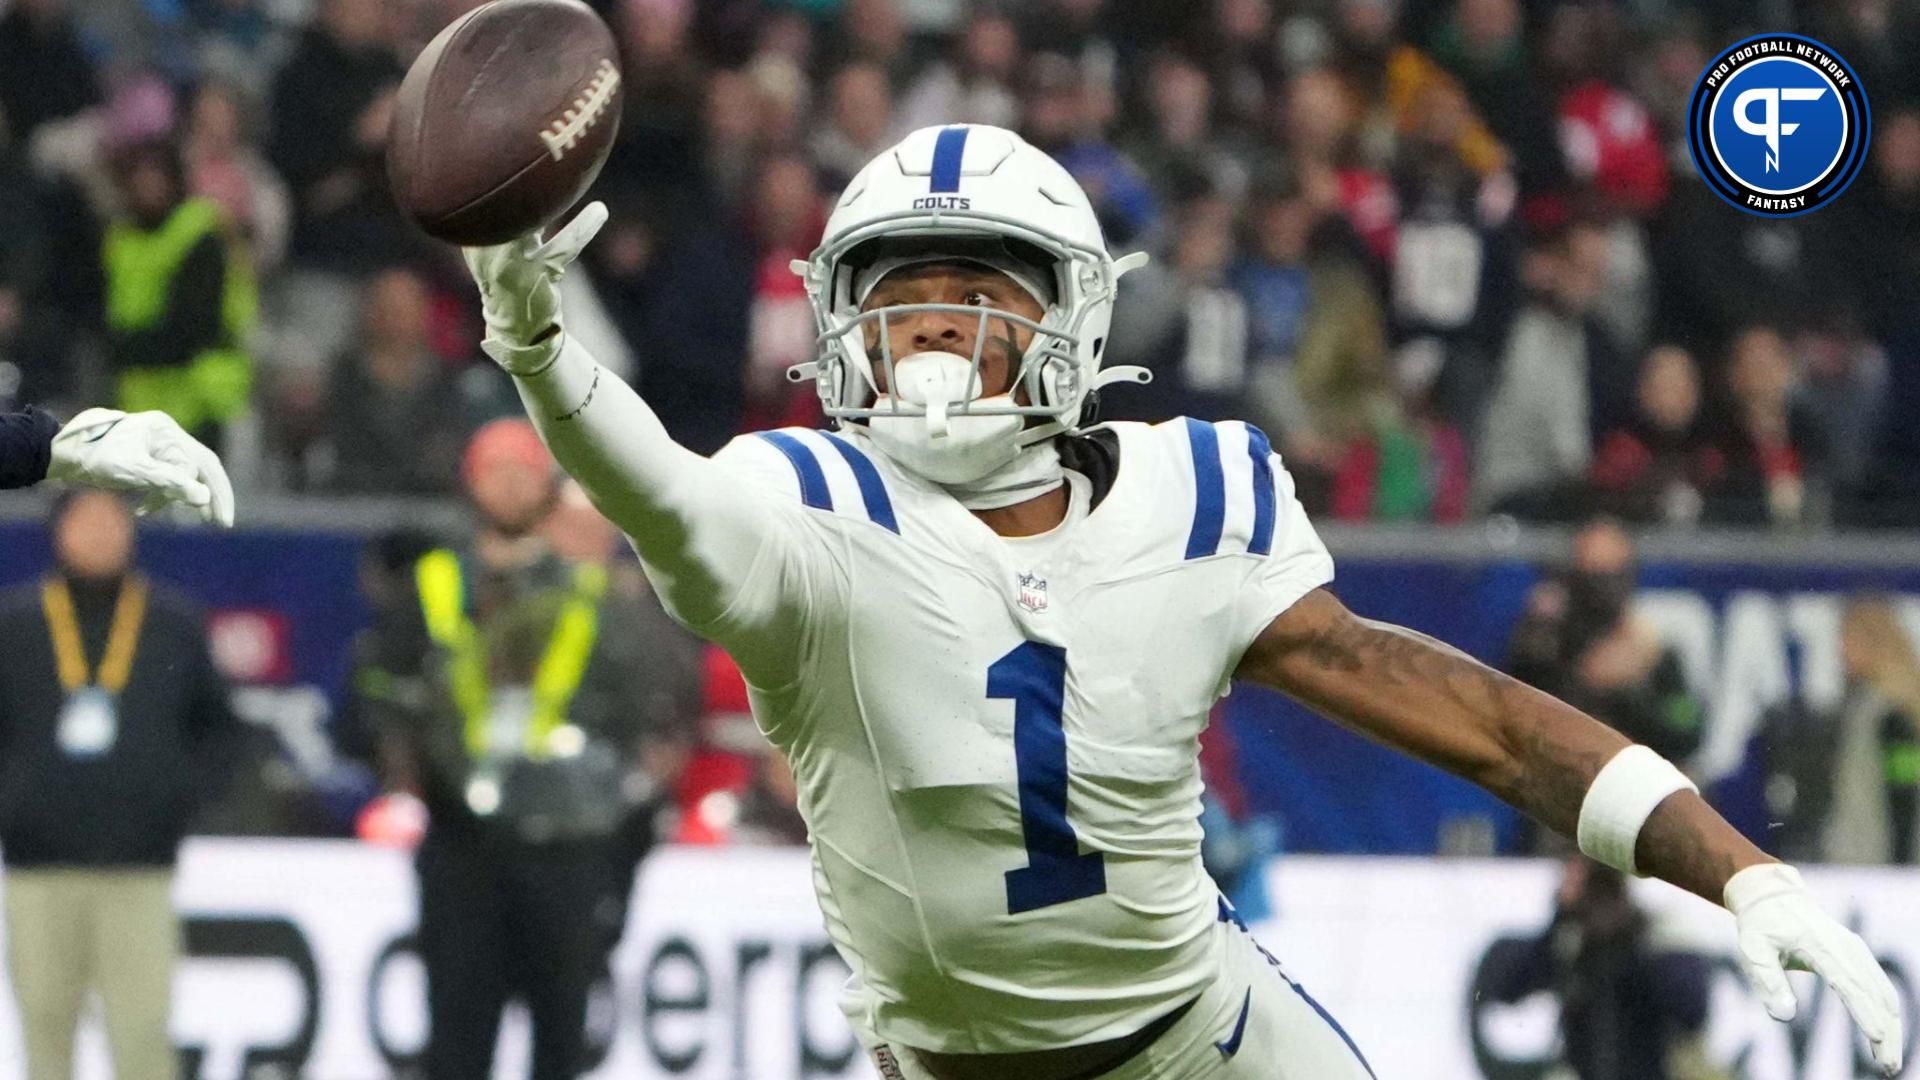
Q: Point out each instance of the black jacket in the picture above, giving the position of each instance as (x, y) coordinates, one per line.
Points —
(1624, 1006)
(26, 446)
(132, 805)
(321, 93)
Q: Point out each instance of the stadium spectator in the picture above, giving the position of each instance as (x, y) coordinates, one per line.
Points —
(783, 223)
(115, 727)
(663, 75)
(1236, 41)
(682, 295)
(1843, 783)
(1184, 321)
(858, 122)
(1719, 272)
(224, 165)
(397, 417)
(22, 261)
(1875, 817)
(1607, 137)
(974, 85)
(180, 298)
(1318, 123)
(1430, 130)
(1872, 256)
(1451, 256)
(1630, 1008)
(1403, 92)
(1483, 45)
(869, 32)
(515, 694)
(736, 788)
(1180, 148)
(1657, 467)
(1077, 29)
(1315, 333)
(45, 74)
(1867, 247)
(1844, 382)
(239, 39)
(783, 97)
(1556, 373)
(769, 813)
(1581, 640)
(1412, 467)
(731, 139)
(331, 106)
(1060, 114)
(1775, 449)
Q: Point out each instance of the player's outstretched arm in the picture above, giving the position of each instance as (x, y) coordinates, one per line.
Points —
(1626, 806)
(698, 531)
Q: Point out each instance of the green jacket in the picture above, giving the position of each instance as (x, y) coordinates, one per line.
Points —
(181, 303)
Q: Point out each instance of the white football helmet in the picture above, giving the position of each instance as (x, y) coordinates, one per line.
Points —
(968, 192)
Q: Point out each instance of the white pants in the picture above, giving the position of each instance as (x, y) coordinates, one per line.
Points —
(1250, 1023)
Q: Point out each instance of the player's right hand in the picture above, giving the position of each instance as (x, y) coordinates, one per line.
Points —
(1781, 927)
(146, 453)
(520, 291)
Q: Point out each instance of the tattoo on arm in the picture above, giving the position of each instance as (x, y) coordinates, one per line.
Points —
(1544, 752)
(1534, 751)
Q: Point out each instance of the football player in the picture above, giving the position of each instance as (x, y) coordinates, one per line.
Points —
(987, 634)
(143, 453)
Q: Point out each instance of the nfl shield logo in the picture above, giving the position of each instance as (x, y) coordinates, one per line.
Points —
(884, 1061)
(1033, 593)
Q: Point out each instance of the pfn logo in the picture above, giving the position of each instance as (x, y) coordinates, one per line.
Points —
(1778, 125)
(1770, 128)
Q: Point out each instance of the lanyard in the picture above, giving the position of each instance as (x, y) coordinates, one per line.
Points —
(116, 665)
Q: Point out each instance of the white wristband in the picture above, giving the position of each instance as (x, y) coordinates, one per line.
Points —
(1621, 799)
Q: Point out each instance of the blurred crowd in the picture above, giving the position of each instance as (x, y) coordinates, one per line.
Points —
(1452, 256)
(1840, 779)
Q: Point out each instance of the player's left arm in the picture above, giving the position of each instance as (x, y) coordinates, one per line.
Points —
(1574, 774)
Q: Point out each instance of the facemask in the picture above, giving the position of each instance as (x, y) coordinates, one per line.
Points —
(945, 446)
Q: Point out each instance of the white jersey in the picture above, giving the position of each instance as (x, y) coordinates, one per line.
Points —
(996, 739)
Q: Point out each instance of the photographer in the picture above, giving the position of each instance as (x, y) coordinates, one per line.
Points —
(1580, 640)
(1628, 1011)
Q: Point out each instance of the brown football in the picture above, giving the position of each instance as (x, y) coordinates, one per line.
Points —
(504, 120)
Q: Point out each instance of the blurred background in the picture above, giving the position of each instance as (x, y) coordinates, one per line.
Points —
(1547, 396)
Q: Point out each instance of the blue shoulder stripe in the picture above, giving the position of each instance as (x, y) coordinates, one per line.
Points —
(873, 491)
(1262, 453)
(813, 482)
(1210, 490)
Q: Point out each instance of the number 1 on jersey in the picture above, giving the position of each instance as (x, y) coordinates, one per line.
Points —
(1034, 677)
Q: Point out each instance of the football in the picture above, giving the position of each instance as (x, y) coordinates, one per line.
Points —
(504, 120)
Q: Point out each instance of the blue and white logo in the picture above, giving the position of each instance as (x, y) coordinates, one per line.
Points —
(1778, 125)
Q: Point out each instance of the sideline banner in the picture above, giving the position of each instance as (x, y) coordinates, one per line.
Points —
(285, 605)
(300, 965)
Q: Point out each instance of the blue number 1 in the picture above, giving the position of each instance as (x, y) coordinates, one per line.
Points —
(1034, 676)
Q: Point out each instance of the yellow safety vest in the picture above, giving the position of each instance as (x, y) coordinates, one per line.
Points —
(140, 267)
(443, 601)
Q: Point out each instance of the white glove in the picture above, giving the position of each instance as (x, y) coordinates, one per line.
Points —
(1781, 927)
(145, 453)
(520, 294)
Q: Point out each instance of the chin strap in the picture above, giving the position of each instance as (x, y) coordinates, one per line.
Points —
(1032, 473)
